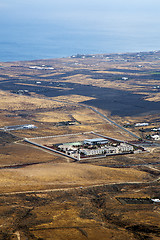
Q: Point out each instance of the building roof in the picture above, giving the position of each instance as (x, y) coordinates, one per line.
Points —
(156, 137)
(96, 140)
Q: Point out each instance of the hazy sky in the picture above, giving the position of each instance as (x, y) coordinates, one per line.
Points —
(71, 20)
(81, 13)
(66, 9)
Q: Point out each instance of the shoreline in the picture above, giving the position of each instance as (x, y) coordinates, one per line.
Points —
(79, 55)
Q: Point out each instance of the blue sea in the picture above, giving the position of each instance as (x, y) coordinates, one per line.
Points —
(52, 29)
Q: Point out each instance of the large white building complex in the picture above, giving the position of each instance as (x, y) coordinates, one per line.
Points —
(97, 147)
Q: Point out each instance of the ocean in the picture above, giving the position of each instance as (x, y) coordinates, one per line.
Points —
(31, 30)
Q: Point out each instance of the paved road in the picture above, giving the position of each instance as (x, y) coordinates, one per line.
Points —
(111, 121)
(96, 111)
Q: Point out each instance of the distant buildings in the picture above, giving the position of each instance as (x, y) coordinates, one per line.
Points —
(124, 78)
(141, 124)
(43, 67)
(18, 127)
(156, 87)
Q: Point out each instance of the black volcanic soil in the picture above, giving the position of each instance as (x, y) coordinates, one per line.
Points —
(141, 69)
(118, 102)
(7, 138)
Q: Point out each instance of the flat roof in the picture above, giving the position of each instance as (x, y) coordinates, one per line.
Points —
(96, 140)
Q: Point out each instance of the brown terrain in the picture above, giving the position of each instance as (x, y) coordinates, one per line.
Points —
(44, 195)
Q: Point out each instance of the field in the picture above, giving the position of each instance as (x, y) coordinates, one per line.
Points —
(44, 195)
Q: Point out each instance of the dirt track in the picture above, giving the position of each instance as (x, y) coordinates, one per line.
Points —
(75, 188)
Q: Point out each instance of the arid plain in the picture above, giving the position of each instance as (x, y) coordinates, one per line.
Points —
(44, 195)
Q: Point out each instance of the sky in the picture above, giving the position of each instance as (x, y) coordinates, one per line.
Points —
(81, 13)
(23, 21)
(49, 10)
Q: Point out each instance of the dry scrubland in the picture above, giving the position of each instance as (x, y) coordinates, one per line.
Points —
(76, 209)
(91, 213)
(45, 176)
(13, 102)
(47, 113)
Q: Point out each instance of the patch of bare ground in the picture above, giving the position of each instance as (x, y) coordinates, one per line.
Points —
(21, 153)
(52, 175)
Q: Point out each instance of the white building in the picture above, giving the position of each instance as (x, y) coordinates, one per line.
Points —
(90, 152)
(95, 141)
(156, 137)
(124, 78)
(156, 200)
(141, 124)
(155, 129)
(122, 148)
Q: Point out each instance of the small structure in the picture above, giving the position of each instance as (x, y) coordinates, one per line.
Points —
(124, 78)
(123, 147)
(141, 124)
(19, 127)
(156, 137)
(155, 129)
(156, 200)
